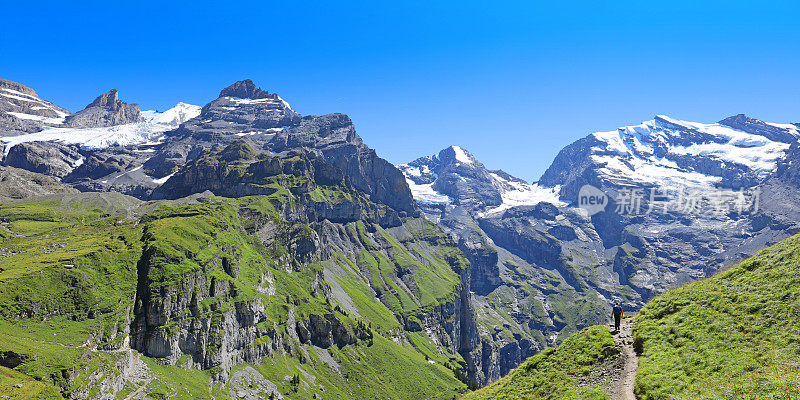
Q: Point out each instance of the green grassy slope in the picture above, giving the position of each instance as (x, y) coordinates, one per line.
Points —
(732, 336)
(68, 280)
(557, 373)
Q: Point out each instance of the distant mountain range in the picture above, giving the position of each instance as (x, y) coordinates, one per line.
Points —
(470, 268)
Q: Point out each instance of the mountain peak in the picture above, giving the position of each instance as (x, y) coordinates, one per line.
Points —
(245, 89)
(457, 154)
(106, 110)
(109, 101)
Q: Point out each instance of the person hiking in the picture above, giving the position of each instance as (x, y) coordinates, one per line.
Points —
(617, 311)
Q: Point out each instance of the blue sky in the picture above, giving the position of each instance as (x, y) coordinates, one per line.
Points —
(513, 82)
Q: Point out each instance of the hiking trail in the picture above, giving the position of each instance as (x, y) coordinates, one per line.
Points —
(622, 384)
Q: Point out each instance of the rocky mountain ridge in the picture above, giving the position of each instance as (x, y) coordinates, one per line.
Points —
(719, 191)
(22, 111)
(316, 256)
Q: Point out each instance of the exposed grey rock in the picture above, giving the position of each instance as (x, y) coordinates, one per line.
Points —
(236, 171)
(246, 89)
(780, 194)
(22, 111)
(49, 158)
(106, 110)
(12, 126)
(756, 127)
(335, 138)
(18, 183)
(271, 125)
(98, 165)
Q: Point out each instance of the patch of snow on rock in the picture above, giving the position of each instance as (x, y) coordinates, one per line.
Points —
(517, 193)
(161, 181)
(461, 155)
(425, 194)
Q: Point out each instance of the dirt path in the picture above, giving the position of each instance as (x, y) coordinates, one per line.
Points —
(622, 386)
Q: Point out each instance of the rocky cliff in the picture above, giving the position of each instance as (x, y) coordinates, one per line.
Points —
(22, 111)
(106, 110)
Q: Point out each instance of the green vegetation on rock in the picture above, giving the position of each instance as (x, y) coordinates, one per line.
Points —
(71, 270)
(557, 373)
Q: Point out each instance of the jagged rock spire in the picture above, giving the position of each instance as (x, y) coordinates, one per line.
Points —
(109, 101)
(106, 110)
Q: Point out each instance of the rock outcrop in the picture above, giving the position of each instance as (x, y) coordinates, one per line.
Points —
(48, 158)
(271, 125)
(18, 183)
(106, 110)
(22, 111)
(323, 190)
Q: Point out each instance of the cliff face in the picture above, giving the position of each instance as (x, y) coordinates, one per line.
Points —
(53, 159)
(214, 285)
(221, 309)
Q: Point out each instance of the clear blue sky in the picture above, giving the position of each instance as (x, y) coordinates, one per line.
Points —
(513, 82)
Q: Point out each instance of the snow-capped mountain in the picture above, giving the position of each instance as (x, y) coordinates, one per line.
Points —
(148, 130)
(737, 152)
(455, 177)
(533, 244)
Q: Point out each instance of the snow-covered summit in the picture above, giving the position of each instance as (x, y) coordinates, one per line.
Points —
(455, 176)
(665, 151)
(175, 116)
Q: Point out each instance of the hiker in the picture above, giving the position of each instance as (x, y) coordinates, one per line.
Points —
(617, 311)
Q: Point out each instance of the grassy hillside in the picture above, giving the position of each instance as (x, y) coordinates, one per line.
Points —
(557, 373)
(732, 336)
(69, 268)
